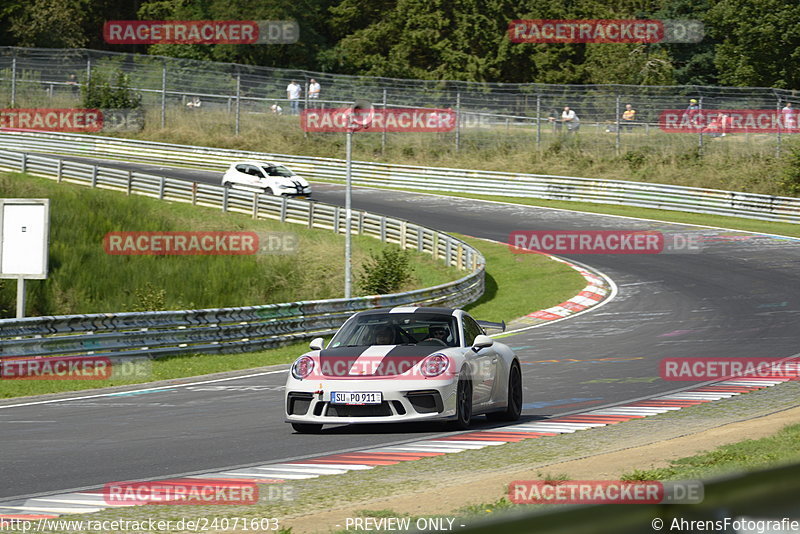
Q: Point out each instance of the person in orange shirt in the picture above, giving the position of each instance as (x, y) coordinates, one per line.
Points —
(628, 117)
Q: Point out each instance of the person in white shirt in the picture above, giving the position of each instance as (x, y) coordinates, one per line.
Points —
(569, 118)
(313, 89)
(293, 93)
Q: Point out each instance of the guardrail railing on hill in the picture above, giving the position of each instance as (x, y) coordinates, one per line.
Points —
(230, 329)
(550, 187)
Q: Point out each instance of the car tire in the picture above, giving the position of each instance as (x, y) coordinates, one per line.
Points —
(514, 408)
(307, 428)
(268, 190)
(463, 402)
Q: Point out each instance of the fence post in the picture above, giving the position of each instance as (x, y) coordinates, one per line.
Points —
(88, 69)
(14, 79)
(311, 215)
(161, 187)
(383, 229)
(336, 216)
(59, 170)
(164, 94)
(458, 121)
(130, 183)
(238, 98)
(23, 167)
(538, 121)
(255, 204)
(194, 193)
(700, 130)
(383, 134)
(225, 199)
(283, 209)
(780, 118)
(617, 144)
(94, 175)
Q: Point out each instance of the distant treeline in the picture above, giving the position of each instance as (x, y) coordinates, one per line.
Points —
(747, 42)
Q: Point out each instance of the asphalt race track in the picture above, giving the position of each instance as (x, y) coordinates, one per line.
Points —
(739, 297)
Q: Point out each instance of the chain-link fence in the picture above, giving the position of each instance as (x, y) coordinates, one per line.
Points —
(489, 113)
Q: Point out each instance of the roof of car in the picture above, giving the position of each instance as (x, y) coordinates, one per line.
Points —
(410, 309)
(256, 163)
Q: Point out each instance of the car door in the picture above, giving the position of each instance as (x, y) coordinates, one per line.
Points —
(242, 175)
(483, 363)
(256, 177)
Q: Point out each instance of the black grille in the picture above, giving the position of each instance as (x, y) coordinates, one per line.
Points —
(365, 410)
(298, 403)
(426, 401)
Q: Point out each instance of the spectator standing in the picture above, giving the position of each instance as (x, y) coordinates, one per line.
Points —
(72, 81)
(628, 117)
(789, 117)
(569, 118)
(313, 89)
(293, 94)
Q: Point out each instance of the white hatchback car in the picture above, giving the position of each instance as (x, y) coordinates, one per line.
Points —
(271, 178)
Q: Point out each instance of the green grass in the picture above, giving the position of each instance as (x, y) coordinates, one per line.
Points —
(84, 279)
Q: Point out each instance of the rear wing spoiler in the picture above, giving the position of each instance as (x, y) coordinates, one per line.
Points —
(496, 326)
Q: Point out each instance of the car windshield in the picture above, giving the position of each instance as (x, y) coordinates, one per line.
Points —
(435, 330)
(277, 170)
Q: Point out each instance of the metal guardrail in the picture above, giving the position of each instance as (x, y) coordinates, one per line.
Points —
(549, 187)
(229, 329)
(765, 494)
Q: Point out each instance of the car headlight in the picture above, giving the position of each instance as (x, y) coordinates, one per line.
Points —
(434, 365)
(302, 367)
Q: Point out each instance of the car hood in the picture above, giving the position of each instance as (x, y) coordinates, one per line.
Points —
(372, 361)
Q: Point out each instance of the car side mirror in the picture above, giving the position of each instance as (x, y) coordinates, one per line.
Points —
(317, 343)
(481, 342)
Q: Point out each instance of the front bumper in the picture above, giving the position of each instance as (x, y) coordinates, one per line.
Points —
(402, 401)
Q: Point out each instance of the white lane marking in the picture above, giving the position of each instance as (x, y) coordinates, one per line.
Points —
(539, 428)
(426, 449)
(321, 470)
(269, 476)
(173, 386)
(455, 444)
(473, 442)
(56, 509)
(346, 467)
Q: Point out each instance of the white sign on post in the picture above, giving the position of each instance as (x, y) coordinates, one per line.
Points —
(24, 235)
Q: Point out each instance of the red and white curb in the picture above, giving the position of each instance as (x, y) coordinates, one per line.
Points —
(599, 288)
(52, 506)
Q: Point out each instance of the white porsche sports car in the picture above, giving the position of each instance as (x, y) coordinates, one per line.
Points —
(405, 364)
(271, 178)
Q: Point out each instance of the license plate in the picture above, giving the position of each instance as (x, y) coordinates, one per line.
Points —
(356, 397)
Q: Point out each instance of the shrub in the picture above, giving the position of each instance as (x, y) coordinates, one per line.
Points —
(386, 273)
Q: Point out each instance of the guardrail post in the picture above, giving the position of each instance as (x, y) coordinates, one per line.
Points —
(23, 166)
(403, 230)
(161, 187)
(448, 252)
(360, 222)
(59, 170)
(459, 256)
(130, 183)
(283, 209)
(94, 175)
(225, 199)
(311, 215)
(336, 220)
(420, 239)
(194, 193)
(383, 229)
(435, 246)
(255, 205)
